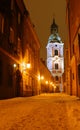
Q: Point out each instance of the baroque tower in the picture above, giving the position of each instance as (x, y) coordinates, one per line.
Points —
(55, 56)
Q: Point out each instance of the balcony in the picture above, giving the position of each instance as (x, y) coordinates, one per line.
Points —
(56, 71)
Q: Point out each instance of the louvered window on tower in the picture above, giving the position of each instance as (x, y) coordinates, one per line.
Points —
(56, 52)
(56, 66)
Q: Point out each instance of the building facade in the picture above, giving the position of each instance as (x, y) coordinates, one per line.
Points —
(19, 51)
(73, 22)
(55, 56)
(46, 79)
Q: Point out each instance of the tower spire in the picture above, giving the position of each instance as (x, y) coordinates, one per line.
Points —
(54, 27)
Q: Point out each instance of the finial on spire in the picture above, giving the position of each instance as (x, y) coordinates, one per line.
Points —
(53, 18)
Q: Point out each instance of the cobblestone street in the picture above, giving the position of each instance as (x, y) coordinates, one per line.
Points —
(46, 111)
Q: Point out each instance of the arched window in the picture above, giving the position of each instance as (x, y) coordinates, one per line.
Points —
(56, 66)
(56, 52)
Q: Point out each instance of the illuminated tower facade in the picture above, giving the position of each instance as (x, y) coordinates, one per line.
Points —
(55, 56)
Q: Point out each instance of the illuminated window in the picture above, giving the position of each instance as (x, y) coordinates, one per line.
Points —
(56, 66)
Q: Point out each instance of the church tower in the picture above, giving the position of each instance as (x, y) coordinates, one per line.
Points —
(55, 56)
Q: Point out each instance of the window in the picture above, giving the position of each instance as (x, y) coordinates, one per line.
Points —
(56, 66)
(18, 46)
(1, 73)
(79, 73)
(11, 37)
(79, 42)
(56, 52)
(1, 23)
(12, 4)
(73, 76)
(73, 48)
(19, 18)
(56, 78)
(10, 75)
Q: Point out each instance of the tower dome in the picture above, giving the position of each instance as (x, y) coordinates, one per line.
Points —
(54, 37)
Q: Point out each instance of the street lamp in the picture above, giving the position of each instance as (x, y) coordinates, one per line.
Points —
(25, 66)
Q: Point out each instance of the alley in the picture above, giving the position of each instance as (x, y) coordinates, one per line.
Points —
(43, 112)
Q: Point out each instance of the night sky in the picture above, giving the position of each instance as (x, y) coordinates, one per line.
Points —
(41, 14)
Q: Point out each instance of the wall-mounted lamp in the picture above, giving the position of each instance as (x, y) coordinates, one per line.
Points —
(25, 66)
(46, 82)
(14, 65)
(42, 77)
(28, 65)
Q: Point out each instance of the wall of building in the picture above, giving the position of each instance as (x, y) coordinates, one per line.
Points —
(46, 79)
(19, 46)
(73, 14)
(31, 47)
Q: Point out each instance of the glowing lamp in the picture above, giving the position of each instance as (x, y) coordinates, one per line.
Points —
(28, 65)
(46, 82)
(14, 65)
(42, 77)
